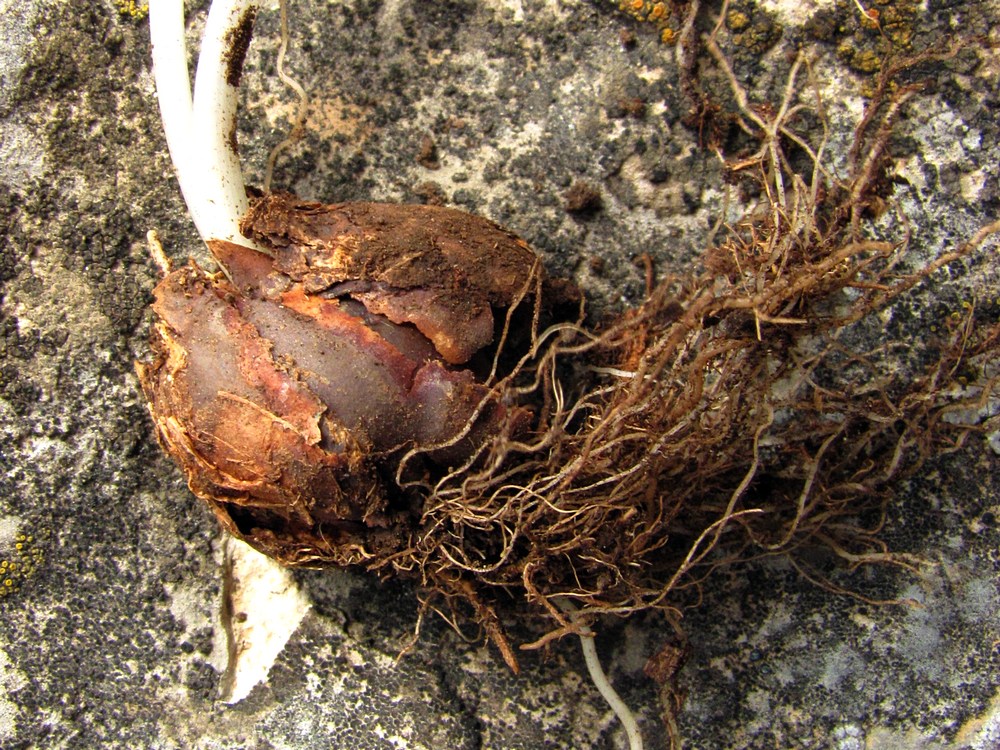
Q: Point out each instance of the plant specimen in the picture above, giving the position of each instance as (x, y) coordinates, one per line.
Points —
(400, 389)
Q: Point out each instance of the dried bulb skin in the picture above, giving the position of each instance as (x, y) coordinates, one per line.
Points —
(288, 393)
(439, 269)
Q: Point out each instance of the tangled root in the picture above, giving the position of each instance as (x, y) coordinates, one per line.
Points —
(724, 418)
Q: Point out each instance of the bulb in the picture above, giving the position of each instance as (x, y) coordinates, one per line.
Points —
(289, 391)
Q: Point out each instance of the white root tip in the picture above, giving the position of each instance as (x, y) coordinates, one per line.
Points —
(600, 679)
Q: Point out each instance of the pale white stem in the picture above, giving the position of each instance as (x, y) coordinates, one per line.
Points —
(201, 132)
(214, 120)
(599, 678)
(173, 87)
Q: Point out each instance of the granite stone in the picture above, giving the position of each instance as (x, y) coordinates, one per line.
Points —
(112, 631)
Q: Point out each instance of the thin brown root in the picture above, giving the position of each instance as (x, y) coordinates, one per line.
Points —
(300, 113)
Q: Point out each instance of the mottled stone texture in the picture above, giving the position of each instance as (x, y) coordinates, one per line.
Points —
(110, 634)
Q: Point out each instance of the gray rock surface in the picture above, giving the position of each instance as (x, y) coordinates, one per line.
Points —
(111, 634)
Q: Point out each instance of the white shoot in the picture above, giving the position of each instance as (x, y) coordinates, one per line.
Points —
(201, 132)
(173, 86)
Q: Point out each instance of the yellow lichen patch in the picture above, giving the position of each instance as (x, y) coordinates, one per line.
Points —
(898, 21)
(133, 9)
(870, 19)
(19, 562)
(862, 60)
(753, 29)
(659, 13)
(872, 34)
(737, 20)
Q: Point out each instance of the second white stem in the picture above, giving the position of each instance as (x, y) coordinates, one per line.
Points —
(213, 120)
(201, 134)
